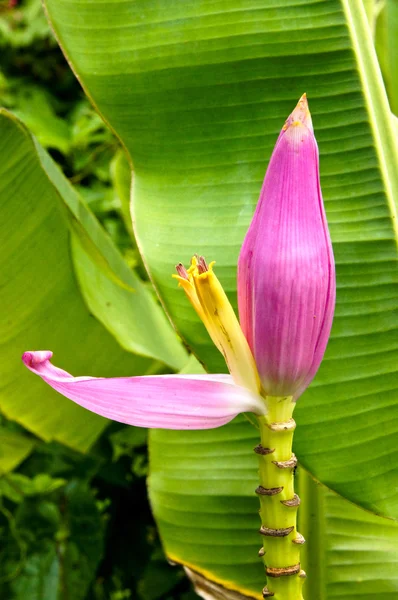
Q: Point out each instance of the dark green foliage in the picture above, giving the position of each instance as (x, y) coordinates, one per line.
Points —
(53, 540)
(77, 527)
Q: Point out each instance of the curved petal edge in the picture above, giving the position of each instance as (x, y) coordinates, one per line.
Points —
(162, 401)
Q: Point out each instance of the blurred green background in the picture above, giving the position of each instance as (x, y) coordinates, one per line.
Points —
(81, 522)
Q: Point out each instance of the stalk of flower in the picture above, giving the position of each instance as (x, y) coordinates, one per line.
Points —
(286, 297)
(286, 293)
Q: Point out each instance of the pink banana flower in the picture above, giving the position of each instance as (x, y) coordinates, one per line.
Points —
(286, 273)
(286, 294)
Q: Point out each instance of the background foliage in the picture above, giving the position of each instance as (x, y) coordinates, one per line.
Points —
(68, 521)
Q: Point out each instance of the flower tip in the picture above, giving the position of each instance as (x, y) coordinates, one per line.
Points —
(300, 115)
(303, 101)
(31, 359)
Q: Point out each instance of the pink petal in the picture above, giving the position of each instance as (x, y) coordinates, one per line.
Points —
(286, 275)
(164, 401)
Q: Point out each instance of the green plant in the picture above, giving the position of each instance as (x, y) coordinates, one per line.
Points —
(196, 93)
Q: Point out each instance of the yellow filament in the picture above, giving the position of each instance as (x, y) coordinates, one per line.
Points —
(208, 298)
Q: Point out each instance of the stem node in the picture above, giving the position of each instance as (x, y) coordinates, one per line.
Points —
(267, 593)
(259, 449)
(262, 491)
(283, 571)
(302, 574)
(292, 502)
(286, 464)
(299, 539)
(289, 425)
(281, 532)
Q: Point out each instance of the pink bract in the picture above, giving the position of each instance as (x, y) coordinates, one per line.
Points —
(286, 274)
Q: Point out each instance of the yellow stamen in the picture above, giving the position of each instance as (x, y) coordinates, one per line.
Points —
(185, 280)
(208, 298)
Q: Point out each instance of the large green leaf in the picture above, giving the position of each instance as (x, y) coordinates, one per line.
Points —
(202, 492)
(113, 292)
(121, 177)
(41, 303)
(198, 91)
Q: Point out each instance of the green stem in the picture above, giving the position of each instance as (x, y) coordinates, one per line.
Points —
(278, 502)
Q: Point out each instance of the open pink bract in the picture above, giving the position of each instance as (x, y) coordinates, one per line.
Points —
(286, 275)
(163, 401)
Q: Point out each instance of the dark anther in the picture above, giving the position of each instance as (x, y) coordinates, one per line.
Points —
(262, 491)
(263, 451)
(267, 593)
(283, 571)
(261, 552)
(283, 532)
(295, 501)
(283, 426)
(181, 270)
(202, 264)
(286, 464)
(299, 539)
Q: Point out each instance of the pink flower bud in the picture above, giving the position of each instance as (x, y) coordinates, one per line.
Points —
(286, 274)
